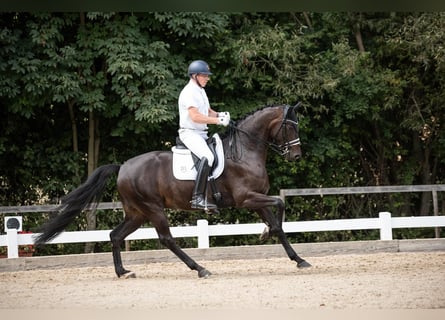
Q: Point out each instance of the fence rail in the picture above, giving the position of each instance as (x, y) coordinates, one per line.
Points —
(203, 231)
(53, 207)
(362, 190)
(433, 188)
(385, 223)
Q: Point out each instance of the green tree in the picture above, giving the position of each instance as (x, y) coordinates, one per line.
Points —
(416, 50)
(81, 89)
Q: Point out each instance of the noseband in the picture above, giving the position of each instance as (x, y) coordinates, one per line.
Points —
(283, 149)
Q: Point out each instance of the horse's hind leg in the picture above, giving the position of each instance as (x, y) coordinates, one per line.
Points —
(117, 236)
(166, 238)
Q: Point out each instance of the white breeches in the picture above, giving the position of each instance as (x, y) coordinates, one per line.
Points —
(195, 141)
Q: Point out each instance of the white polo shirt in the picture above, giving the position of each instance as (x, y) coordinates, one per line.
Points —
(192, 95)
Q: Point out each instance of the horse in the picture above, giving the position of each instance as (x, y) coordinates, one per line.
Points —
(146, 186)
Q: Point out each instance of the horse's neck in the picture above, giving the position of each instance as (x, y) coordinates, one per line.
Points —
(252, 139)
(258, 129)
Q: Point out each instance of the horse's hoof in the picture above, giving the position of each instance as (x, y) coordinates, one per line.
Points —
(303, 264)
(128, 275)
(204, 273)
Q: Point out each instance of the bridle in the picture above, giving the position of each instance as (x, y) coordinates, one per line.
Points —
(280, 149)
(283, 149)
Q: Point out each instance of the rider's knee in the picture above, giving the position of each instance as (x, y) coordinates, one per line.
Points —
(210, 158)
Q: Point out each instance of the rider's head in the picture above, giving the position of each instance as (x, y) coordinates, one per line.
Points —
(199, 71)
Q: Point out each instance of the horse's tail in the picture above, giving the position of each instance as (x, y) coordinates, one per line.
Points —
(89, 193)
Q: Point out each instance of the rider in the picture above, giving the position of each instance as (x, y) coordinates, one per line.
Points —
(195, 114)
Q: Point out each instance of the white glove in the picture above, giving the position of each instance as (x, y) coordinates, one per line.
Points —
(224, 114)
(223, 121)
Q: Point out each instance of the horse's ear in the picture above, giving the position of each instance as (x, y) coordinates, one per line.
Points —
(295, 107)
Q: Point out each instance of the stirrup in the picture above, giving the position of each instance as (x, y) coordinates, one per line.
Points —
(201, 203)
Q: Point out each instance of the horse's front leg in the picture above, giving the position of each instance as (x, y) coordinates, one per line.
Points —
(278, 203)
(261, 203)
(257, 201)
(275, 229)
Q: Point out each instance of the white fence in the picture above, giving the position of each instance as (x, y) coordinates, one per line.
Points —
(385, 223)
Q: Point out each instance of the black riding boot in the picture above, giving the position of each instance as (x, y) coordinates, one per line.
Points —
(199, 198)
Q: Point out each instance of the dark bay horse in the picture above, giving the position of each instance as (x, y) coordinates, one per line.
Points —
(146, 185)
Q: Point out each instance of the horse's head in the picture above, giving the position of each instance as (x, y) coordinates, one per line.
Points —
(274, 126)
(286, 137)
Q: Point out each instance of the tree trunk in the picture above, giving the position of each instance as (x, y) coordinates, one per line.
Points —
(356, 20)
(359, 39)
(307, 19)
(93, 153)
(73, 126)
(421, 153)
(75, 138)
(425, 204)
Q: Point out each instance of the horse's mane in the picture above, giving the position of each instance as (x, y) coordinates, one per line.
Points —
(227, 132)
(255, 111)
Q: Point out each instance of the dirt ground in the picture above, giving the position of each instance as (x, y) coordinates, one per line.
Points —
(376, 281)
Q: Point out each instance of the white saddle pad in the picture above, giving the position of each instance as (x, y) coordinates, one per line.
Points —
(184, 168)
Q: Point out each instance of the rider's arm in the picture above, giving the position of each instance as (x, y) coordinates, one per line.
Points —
(213, 113)
(198, 117)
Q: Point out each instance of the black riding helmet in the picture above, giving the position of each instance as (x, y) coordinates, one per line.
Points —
(199, 67)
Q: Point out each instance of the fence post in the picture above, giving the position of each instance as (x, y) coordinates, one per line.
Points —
(385, 226)
(436, 212)
(12, 226)
(203, 234)
(13, 246)
(283, 198)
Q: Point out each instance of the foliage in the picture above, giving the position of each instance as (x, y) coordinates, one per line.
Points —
(372, 87)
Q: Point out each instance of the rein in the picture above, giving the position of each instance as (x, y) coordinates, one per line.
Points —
(281, 150)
